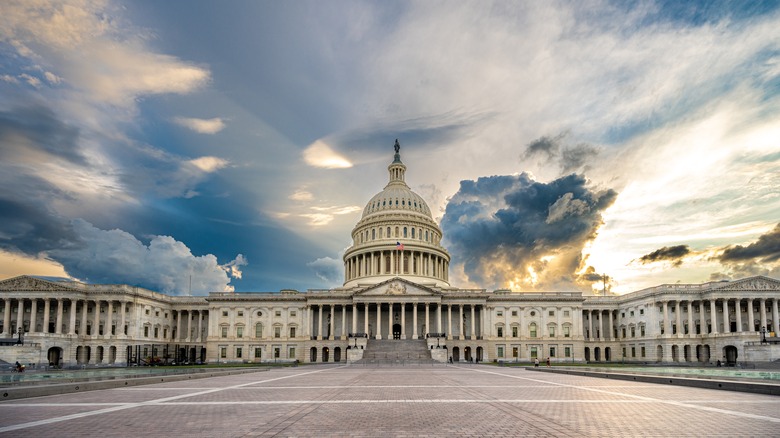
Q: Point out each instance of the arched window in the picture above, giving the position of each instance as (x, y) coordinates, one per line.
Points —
(259, 329)
(426, 235)
(532, 329)
(373, 234)
(404, 232)
(396, 231)
(412, 233)
(388, 232)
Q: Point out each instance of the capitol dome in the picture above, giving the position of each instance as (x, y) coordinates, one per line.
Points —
(396, 237)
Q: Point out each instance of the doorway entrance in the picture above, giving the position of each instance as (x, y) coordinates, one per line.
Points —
(396, 331)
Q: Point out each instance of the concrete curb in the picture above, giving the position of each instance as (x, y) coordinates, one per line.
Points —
(15, 393)
(725, 385)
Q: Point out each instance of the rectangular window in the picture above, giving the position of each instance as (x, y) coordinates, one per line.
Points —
(259, 331)
(641, 330)
(239, 352)
(641, 311)
(633, 351)
(500, 351)
(239, 332)
(100, 330)
(552, 351)
(499, 313)
(632, 313)
(514, 352)
(514, 313)
(224, 313)
(642, 351)
(500, 332)
(156, 313)
(533, 330)
(292, 332)
(514, 332)
(290, 352)
(277, 352)
(240, 313)
(277, 332)
(223, 352)
(534, 353)
(624, 351)
(552, 313)
(278, 313)
(293, 313)
(156, 332)
(566, 351)
(633, 332)
(624, 331)
(113, 329)
(552, 331)
(566, 331)
(147, 311)
(224, 331)
(146, 332)
(566, 313)
(258, 352)
(165, 333)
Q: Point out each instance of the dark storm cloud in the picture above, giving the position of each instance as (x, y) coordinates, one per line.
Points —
(37, 128)
(500, 226)
(570, 158)
(766, 249)
(673, 254)
(31, 228)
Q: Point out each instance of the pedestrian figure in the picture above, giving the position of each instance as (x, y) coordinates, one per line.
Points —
(548, 362)
(536, 363)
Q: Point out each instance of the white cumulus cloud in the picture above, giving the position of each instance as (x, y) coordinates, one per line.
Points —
(319, 154)
(201, 126)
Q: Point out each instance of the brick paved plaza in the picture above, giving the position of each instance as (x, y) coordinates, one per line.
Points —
(395, 401)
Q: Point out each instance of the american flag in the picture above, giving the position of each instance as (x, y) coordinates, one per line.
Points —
(399, 246)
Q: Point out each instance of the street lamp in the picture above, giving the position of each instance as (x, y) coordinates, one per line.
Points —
(19, 341)
(763, 334)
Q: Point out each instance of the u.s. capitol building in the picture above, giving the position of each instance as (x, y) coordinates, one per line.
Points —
(396, 289)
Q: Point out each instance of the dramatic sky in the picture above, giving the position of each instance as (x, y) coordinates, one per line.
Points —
(234, 145)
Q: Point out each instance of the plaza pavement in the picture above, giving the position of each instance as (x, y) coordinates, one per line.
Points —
(332, 400)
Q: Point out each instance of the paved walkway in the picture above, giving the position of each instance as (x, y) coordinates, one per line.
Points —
(363, 401)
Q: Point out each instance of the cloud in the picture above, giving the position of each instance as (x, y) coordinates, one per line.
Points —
(328, 270)
(302, 195)
(765, 250)
(165, 264)
(319, 154)
(570, 158)
(201, 126)
(209, 164)
(674, 254)
(513, 231)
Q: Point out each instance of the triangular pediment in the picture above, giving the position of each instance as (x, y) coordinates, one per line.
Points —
(397, 287)
(757, 283)
(25, 283)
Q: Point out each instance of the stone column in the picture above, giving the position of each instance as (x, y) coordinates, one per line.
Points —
(726, 317)
(751, 316)
(473, 324)
(390, 320)
(109, 319)
(365, 318)
(702, 318)
(7, 318)
(691, 327)
(379, 320)
(403, 320)
(96, 319)
(738, 308)
(678, 318)
(71, 314)
(354, 317)
(762, 309)
(427, 318)
(319, 322)
(415, 333)
(33, 314)
(19, 314)
(122, 321)
(46, 316)
(343, 322)
(461, 335)
(590, 324)
(713, 318)
(438, 317)
(189, 326)
(449, 321)
(178, 325)
(775, 320)
(611, 326)
(667, 322)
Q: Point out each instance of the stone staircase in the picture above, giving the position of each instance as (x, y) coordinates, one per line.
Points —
(396, 351)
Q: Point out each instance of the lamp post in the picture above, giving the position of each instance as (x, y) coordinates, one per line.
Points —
(19, 341)
(763, 334)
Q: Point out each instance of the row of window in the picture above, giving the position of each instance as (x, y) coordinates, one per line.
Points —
(566, 313)
(277, 313)
(534, 350)
(400, 232)
(239, 331)
(533, 332)
(257, 352)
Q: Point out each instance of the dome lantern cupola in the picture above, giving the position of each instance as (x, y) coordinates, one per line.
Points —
(396, 237)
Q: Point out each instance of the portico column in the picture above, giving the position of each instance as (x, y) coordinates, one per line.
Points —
(775, 320)
(7, 318)
(726, 317)
(46, 316)
(427, 318)
(415, 333)
(702, 318)
(178, 325)
(713, 317)
(319, 322)
(751, 316)
(762, 309)
(611, 326)
(449, 321)
(72, 315)
(390, 320)
(33, 314)
(343, 322)
(96, 319)
(379, 320)
(365, 318)
(678, 318)
(403, 320)
(739, 316)
(19, 314)
(189, 326)
(354, 317)
(667, 322)
(122, 311)
(438, 316)
(109, 318)
(691, 328)
(461, 335)
(473, 324)
(590, 324)
(332, 324)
